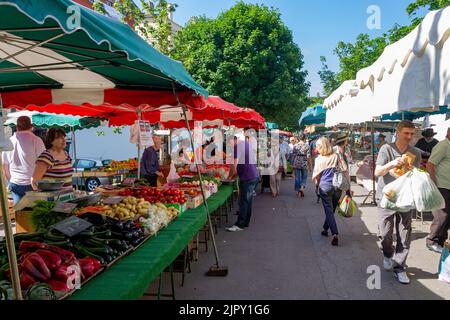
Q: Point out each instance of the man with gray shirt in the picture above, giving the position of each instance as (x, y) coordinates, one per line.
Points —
(390, 157)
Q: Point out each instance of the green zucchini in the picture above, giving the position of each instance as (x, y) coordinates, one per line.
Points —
(101, 251)
(55, 238)
(26, 236)
(88, 253)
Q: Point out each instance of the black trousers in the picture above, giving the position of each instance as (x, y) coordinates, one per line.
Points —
(441, 222)
(152, 180)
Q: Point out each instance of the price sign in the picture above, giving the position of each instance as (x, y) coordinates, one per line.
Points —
(129, 181)
(72, 226)
(113, 200)
(64, 207)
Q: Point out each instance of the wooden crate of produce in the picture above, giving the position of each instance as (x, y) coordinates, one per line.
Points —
(23, 221)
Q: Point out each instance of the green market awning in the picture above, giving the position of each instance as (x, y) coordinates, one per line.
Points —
(313, 116)
(47, 120)
(78, 54)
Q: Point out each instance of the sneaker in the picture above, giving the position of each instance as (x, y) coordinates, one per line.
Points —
(234, 229)
(388, 264)
(435, 248)
(402, 277)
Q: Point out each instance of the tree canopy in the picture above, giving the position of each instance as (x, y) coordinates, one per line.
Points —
(247, 56)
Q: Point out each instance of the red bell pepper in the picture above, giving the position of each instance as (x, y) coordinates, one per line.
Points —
(64, 254)
(87, 268)
(35, 266)
(26, 280)
(30, 246)
(51, 259)
(58, 285)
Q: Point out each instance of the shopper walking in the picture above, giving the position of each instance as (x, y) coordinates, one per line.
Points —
(19, 164)
(439, 168)
(390, 157)
(324, 169)
(427, 143)
(244, 166)
(301, 162)
(341, 149)
(278, 164)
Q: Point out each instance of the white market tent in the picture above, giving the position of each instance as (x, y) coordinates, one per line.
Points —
(412, 74)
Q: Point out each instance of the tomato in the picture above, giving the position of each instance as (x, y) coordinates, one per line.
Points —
(176, 199)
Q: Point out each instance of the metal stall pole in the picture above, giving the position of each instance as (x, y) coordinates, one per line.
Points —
(9, 237)
(75, 157)
(139, 112)
(374, 200)
(217, 270)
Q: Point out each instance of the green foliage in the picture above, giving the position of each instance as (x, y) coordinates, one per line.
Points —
(427, 4)
(152, 22)
(247, 56)
(328, 78)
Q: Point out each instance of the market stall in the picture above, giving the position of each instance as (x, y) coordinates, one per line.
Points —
(408, 81)
(315, 115)
(45, 60)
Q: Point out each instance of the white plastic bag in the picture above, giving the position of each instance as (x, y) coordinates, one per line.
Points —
(173, 175)
(426, 194)
(392, 190)
(387, 204)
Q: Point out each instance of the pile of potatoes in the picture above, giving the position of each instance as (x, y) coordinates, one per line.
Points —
(128, 209)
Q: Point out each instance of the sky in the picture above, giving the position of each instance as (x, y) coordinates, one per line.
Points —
(317, 25)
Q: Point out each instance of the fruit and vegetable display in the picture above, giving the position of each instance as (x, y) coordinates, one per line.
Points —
(43, 216)
(155, 195)
(130, 164)
(157, 218)
(218, 171)
(128, 209)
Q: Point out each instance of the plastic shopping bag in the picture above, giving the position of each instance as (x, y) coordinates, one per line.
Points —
(392, 190)
(444, 265)
(173, 175)
(387, 204)
(347, 208)
(426, 194)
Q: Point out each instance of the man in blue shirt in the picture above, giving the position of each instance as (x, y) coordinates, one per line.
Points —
(150, 163)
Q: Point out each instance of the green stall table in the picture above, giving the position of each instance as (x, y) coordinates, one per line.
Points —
(129, 278)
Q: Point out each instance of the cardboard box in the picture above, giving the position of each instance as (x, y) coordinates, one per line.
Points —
(179, 207)
(194, 202)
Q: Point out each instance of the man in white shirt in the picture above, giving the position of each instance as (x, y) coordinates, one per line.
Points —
(19, 164)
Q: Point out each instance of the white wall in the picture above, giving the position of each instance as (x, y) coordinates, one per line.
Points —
(110, 146)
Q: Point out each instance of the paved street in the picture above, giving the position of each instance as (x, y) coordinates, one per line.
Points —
(283, 256)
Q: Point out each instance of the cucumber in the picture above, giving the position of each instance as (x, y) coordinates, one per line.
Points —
(101, 251)
(102, 234)
(93, 243)
(27, 236)
(54, 238)
(88, 253)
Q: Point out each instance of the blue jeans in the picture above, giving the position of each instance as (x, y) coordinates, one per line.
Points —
(330, 200)
(301, 175)
(246, 189)
(18, 191)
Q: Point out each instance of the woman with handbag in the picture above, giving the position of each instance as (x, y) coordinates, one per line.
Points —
(301, 162)
(278, 163)
(327, 165)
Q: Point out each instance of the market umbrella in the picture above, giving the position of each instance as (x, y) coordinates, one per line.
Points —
(271, 126)
(48, 120)
(313, 115)
(76, 54)
(55, 52)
